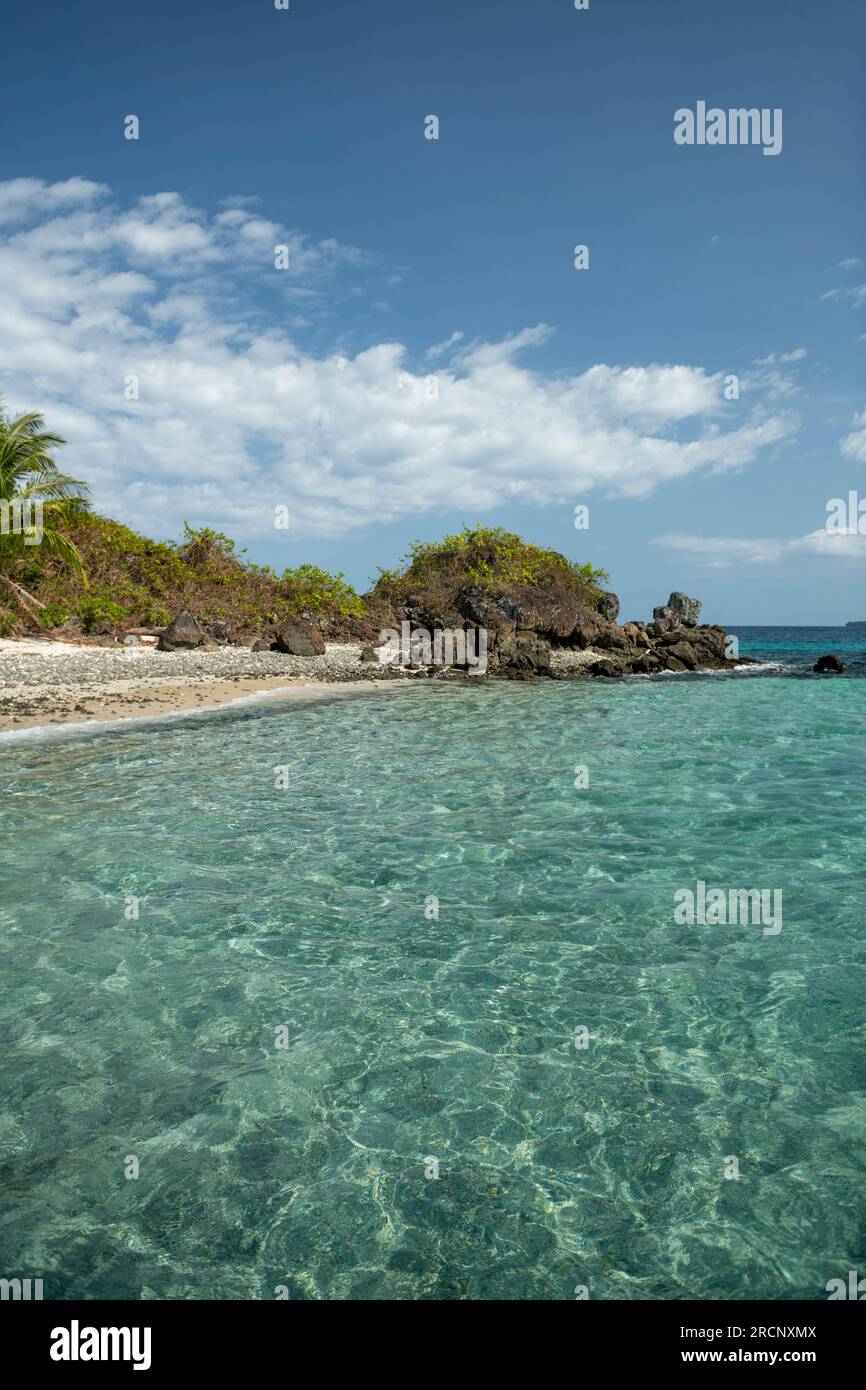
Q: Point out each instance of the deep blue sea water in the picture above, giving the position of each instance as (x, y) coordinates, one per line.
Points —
(421, 1037)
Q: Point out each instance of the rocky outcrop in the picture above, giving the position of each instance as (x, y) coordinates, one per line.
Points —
(608, 607)
(828, 665)
(518, 655)
(182, 634)
(679, 610)
(532, 632)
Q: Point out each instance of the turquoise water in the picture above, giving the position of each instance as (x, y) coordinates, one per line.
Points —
(410, 1037)
(798, 648)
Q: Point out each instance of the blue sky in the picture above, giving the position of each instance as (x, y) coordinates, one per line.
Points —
(306, 388)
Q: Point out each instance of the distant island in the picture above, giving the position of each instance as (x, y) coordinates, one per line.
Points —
(857, 622)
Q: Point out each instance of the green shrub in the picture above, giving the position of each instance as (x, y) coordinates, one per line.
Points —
(53, 615)
(155, 614)
(309, 589)
(490, 557)
(94, 611)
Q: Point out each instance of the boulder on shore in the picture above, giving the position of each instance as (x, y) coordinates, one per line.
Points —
(298, 639)
(182, 634)
(828, 665)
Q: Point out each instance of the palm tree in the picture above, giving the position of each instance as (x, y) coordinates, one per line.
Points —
(30, 478)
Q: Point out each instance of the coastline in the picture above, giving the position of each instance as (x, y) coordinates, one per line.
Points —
(161, 700)
(60, 684)
(93, 685)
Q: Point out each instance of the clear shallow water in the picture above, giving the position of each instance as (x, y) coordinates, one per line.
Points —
(798, 648)
(411, 1037)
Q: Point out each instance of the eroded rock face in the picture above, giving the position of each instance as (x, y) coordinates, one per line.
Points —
(683, 652)
(828, 665)
(497, 615)
(518, 654)
(680, 609)
(182, 634)
(608, 607)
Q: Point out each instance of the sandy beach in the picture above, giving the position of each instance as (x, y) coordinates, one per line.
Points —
(47, 683)
(59, 683)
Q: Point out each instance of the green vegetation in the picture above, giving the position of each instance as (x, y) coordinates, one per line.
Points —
(309, 589)
(127, 580)
(489, 557)
(91, 574)
(38, 502)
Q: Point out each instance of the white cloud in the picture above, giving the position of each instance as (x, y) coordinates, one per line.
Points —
(22, 199)
(796, 356)
(439, 348)
(857, 295)
(854, 444)
(235, 415)
(723, 552)
(832, 546)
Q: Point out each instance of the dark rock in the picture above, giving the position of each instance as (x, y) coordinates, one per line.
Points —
(673, 663)
(827, 665)
(688, 609)
(262, 644)
(680, 609)
(608, 607)
(182, 634)
(586, 629)
(613, 638)
(368, 653)
(515, 652)
(684, 652)
(298, 639)
(712, 639)
(497, 615)
(552, 612)
(645, 665)
(609, 669)
(219, 630)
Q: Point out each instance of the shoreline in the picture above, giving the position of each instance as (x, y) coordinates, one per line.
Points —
(176, 698)
(170, 698)
(97, 686)
(63, 687)
(48, 685)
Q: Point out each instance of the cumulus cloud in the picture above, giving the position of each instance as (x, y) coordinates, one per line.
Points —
(24, 198)
(236, 415)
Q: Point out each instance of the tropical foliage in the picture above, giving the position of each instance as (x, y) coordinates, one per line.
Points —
(37, 504)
